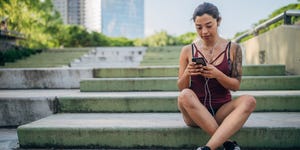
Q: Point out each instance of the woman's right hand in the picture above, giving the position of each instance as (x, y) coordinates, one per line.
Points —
(194, 69)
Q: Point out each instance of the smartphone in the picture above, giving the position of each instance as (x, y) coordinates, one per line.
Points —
(199, 60)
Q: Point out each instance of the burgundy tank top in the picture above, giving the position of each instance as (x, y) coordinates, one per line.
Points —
(209, 91)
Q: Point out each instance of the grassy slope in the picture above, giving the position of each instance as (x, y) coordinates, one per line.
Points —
(155, 56)
(48, 58)
(162, 56)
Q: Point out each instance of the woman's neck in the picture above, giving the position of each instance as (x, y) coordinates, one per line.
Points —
(211, 43)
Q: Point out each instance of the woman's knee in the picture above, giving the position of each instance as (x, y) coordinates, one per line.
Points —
(185, 97)
(250, 103)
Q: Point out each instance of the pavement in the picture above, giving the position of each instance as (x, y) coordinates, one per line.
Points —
(8, 139)
(34, 93)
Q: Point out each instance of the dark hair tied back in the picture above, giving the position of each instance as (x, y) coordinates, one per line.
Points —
(206, 8)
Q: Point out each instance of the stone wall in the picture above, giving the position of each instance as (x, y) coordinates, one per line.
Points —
(278, 46)
(22, 110)
(43, 78)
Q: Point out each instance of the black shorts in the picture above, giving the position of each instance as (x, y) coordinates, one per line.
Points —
(212, 111)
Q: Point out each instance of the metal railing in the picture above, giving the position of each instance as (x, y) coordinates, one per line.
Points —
(286, 16)
(11, 34)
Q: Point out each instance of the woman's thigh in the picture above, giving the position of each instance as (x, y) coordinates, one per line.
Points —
(184, 96)
(227, 108)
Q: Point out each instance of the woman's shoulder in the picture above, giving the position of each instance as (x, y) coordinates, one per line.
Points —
(186, 48)
(235, 43)
(235, 46)
(186, 51)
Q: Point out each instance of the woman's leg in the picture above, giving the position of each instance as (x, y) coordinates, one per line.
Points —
(194, 113)
(231, 117)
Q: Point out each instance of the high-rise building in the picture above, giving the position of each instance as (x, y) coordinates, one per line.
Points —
(62, 7)
(71, 11)
(76, 12)
(93, 15)
(114, 18)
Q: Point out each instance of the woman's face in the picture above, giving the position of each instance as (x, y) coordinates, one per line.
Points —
(206, 27)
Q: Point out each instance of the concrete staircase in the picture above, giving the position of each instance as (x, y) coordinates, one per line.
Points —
(113, 57)
(133, 108)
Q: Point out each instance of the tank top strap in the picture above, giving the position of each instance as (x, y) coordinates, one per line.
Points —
(224, 51)
(197, 52)
(218, 56)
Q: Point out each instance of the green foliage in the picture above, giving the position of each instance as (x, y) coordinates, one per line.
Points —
(98, 39)
(164, 39)
(139, 42)
(48, 58)
(246, 38)
(78, 36)
(159, 39)
(43, 26)
(275, 13)
(120, 41)
(34, 18)
(74, 36)
(1, 59)
(12, 55)
(187, 38)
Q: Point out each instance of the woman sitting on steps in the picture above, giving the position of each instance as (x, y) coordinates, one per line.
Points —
(205, 100)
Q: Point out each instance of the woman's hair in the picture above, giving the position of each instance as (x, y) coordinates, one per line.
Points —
(206, 8)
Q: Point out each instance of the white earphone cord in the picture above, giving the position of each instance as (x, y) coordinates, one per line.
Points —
(207, 92)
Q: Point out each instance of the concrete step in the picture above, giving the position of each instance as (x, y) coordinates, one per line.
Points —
(267, 101)
(152, 130)
(169, 83)
(19, 107)
(172, 71)
(43, 78)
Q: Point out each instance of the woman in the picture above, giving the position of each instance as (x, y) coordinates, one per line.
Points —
(205, 98)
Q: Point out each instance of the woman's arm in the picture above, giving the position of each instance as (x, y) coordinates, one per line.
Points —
(237, 63)
(183, 73)
(233, 82)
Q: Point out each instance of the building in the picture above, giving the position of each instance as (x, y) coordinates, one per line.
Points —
(72, 11)
(114, 18)
(75, 12)
(62, 7)
(93, 15)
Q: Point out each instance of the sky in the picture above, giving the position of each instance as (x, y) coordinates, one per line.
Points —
(174, 16)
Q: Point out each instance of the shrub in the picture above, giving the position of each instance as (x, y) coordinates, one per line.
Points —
(11, 55)
(1, 59)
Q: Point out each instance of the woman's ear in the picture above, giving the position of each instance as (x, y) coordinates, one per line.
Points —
(219, 21)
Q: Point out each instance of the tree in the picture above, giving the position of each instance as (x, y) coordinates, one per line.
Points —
(160, 39)
(187, 38)
(99, 39)
(120, 41)
(78, 36)
(35, 19)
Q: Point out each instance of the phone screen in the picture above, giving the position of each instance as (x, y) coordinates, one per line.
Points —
(199, 60)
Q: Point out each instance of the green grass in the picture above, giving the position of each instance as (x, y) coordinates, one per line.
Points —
(155, 56)
(49, 58)
(162, 56)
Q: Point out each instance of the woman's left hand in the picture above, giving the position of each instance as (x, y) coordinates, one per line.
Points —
(210, 71)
